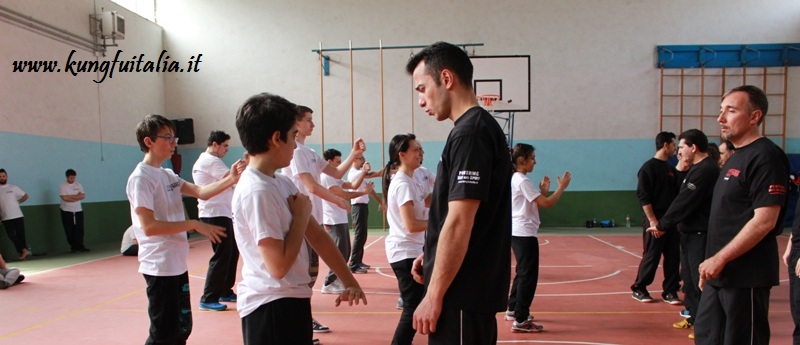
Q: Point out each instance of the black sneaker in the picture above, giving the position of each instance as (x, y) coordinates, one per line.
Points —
(359, 270)
(318, 327)
(672, 299)
(642, 296)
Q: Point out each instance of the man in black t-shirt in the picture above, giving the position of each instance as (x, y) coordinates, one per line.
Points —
(790, 259)
(747, 212)
(689, 212)
(466, 265)
(657, 187)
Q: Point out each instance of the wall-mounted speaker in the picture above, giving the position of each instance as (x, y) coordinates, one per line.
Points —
(184, 130)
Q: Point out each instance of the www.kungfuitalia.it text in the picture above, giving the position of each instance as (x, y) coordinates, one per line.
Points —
(106, 69)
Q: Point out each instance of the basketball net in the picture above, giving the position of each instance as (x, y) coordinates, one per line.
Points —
(487, 100)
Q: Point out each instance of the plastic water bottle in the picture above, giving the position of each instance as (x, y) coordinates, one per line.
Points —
(628, 221)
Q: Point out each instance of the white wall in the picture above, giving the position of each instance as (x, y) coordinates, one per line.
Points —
(593, 74)
(53, 121)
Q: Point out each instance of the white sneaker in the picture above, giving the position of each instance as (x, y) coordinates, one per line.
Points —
(333, 288)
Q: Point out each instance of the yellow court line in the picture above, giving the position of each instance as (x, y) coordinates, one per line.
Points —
(77, 312)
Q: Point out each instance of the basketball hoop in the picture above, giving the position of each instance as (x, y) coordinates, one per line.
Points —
(488, 100)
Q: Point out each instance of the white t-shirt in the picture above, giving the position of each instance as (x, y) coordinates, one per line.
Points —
(159, 190)
(128, 239)
(9, 201)
(261, 210)
(207, 170)
(352, 175)
(524, 210)
(401, 244)
(306, 160)
(425, 179)
(71, 189)
(332, 214)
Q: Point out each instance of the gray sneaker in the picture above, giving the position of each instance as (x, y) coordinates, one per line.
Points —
(526, 327)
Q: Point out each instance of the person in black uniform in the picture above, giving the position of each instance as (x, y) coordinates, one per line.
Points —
(657, 187)
(689, 211)
(466, 260)
(747, 213)
(790, 258)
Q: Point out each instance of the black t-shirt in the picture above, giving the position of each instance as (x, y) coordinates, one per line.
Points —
(757, 175)
(690, 209)
(475, 164)
(658, 185)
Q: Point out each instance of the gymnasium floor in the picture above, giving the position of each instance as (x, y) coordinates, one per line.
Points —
(582, 298)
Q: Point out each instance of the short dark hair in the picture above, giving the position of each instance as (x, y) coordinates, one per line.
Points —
(664, 138)
(218, 137)
(301, 111)
(3, 171)
(695, 137)
(330, 154)
(260, 117)
(149, 128)
(520, 150)
(728, 145)
(757, 99)
(71, 172)
(440, 56)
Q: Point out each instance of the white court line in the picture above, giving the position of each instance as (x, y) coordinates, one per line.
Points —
(582, 280)
(620, 248)
(546, 242)
(584, 294)
(380, 272)
(373, 242)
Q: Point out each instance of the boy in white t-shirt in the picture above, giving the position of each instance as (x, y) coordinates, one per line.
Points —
(334, 219)
(157, 214)
(272, 223)
(72, 193)
(305, 170)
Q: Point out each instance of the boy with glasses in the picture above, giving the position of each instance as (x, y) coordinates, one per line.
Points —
(157, 214)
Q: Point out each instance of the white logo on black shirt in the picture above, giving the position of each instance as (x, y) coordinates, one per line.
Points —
(467, 176)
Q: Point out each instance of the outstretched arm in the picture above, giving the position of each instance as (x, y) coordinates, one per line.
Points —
(208, 191)
(153, 227)
(322, 192)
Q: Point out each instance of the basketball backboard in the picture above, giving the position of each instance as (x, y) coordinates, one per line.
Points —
(506, 75)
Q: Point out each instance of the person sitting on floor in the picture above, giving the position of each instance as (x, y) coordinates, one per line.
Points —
(9, 275)
(129, 246)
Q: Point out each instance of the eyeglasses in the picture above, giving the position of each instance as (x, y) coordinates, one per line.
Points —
(169, 138)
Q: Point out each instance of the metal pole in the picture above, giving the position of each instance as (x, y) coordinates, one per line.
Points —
(352, 98)
(321, 96)
(383, 123)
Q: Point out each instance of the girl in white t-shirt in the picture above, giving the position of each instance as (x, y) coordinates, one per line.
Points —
(405, 203)
(525, 203)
